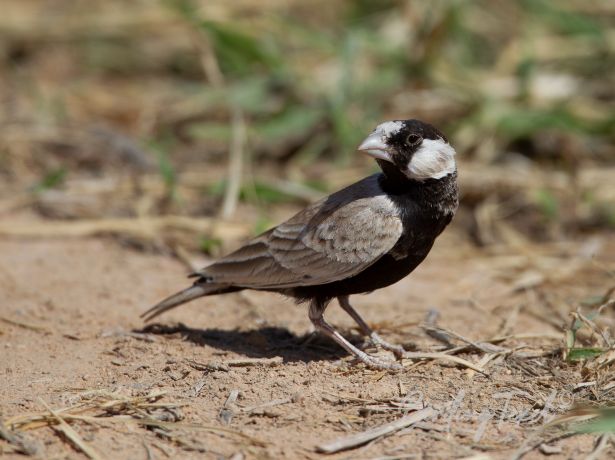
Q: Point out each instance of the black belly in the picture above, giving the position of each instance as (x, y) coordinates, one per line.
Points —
(386, 271)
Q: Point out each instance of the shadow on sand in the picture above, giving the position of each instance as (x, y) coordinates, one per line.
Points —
(265, 342)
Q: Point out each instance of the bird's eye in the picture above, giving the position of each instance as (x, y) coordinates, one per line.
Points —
(413, 139)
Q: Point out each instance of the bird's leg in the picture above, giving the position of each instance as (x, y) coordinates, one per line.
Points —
(397, 350)
(316, 312)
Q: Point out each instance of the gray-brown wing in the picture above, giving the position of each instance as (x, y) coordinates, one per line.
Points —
(320, 245)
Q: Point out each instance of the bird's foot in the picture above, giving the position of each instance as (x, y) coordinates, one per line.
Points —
(397, 350)
(375, 362)
(316, 316)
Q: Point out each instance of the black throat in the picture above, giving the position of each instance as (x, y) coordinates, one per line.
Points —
(441, 194)
(394, 180)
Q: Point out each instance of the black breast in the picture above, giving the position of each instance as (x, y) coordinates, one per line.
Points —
(426, 209)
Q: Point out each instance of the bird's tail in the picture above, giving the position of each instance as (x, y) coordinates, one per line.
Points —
(193, 292)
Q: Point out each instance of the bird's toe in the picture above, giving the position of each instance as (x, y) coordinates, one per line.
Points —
(380, 364)
(397, 350)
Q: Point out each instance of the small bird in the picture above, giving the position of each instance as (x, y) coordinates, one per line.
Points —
(364, 237)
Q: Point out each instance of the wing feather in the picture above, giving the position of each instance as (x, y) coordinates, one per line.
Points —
(335, 238)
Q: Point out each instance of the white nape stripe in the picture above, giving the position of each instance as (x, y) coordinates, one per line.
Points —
(435, 159)
(389, 128)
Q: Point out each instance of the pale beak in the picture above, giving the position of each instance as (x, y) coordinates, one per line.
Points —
(375, 147)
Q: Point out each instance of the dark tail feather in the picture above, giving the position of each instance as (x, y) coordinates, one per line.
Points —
(177, 299)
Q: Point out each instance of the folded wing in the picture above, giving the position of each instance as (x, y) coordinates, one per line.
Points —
(328, 241)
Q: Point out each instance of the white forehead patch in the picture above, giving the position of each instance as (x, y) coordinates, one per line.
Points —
(434, 159)
(389, 128)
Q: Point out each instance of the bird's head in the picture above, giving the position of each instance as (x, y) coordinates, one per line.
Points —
(417, 149)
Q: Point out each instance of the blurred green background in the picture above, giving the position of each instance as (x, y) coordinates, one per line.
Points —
(245, 110)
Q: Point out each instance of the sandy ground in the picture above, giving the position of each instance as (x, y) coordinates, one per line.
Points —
(84, 297)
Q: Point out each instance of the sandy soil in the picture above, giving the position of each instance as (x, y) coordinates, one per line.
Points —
(84, 297)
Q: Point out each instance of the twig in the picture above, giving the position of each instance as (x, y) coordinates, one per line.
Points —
(432, 330)
(148, 452)
(72, 435)
(443, 356)
(485, 347)
(206, 367)
(589, 323)
(356, 440)
(244, 362)
(227, 411)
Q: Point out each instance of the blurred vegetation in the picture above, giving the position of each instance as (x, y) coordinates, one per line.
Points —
(111, 89)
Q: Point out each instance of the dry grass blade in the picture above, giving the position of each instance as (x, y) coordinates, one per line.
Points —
(445, 357)
(275, 402)
(72, 435)
(604, 360)
(102, 407)
(233, 186)
(589, 323)
(499, 339)
(356, 440)
(144, 227)
(485, 347)
(602, 444)
(197, 426)
(529, 335)
(22, 324)
(577, 415)
(121, 404)
(605, 305)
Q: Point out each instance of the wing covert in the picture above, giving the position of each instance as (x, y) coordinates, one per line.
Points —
(326, 242)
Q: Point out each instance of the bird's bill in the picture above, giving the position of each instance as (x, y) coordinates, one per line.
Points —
(374, 146)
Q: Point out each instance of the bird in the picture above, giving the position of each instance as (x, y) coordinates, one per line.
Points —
(364, 237)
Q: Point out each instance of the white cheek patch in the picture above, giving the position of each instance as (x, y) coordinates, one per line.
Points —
(435, 159)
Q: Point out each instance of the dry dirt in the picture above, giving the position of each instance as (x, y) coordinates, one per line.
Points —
(84, 297)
